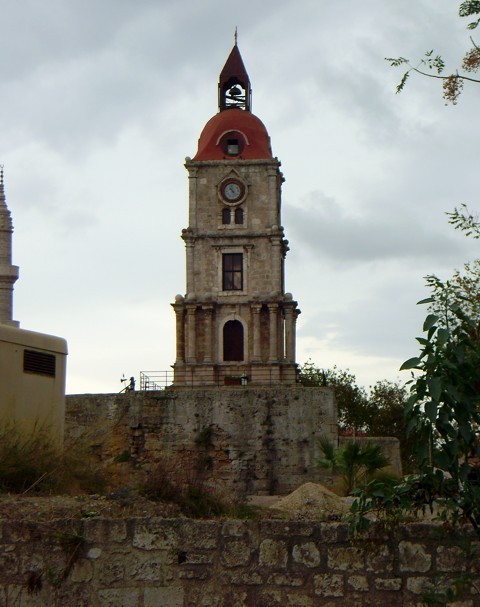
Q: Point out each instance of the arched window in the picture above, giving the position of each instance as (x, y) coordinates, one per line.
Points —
(226, 216)
(239, 216)
(233, 341)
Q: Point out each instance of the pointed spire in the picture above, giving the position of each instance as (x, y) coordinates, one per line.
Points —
(234, 90)
(5, 217)
(2, 189)
(8, 272)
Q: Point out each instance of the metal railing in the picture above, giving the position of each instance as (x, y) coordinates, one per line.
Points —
(155, 380)
(198, 377)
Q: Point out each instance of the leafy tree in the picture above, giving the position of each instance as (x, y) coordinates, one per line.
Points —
(433, 66)
(380, 412)
(352, 401)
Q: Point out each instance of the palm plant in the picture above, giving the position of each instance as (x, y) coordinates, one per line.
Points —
(354, 463)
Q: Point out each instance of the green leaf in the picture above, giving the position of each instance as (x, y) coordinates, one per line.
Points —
(411, 363)
(430, 321)
(443, 335)
(435, 388)
(426, 301)
(431, 411)
(402, 83)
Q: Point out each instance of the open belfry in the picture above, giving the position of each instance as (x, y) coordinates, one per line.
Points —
(236, 324)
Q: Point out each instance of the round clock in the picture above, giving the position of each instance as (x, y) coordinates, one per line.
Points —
(232, 190)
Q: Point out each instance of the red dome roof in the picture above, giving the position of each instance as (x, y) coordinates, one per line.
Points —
(230, 126)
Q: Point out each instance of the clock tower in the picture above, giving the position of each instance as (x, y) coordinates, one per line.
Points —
(236, 323)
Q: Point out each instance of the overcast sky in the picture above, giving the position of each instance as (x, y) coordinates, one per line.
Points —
(101, 101)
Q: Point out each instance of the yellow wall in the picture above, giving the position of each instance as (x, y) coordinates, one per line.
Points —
(31, 399)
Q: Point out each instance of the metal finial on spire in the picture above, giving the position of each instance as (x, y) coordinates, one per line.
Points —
(235, 37)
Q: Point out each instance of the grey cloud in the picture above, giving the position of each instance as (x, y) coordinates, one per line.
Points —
(325, 227)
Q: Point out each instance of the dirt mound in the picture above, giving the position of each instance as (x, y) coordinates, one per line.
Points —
(312, 501)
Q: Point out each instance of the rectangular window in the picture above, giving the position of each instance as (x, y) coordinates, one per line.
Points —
(232, 272)
(39, 362)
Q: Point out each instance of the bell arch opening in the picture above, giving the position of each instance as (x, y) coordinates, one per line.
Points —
(233, 341)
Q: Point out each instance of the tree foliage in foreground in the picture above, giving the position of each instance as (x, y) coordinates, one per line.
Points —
(433, 66)
(443, 411)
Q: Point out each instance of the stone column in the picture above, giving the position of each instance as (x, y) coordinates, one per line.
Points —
(189, 250)
(274, 202)
(191, 334)
(192, 195)
(277, 263)
(256, 332)
(289, 335)
(290, 329)
(180, 333)
(273, 311)
(208, 310)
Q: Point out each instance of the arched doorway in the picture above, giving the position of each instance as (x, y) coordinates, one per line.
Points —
(233, 341)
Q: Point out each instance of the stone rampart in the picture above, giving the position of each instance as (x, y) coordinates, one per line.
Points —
(226, 563)
(255, 440)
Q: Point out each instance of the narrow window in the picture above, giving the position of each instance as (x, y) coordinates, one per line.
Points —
(226, 216)
(233, 147)
(39, 362)
(233, 340)
(238, 216)
(232, 279)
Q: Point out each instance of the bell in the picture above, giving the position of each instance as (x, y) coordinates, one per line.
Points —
(235, 91)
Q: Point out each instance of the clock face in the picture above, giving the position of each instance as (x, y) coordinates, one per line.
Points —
(232, 190)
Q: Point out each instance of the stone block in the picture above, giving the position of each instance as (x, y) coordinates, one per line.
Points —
(236, 553)
(414, 557)
(155, 535)
(110, 570)
(193, 574)
(420, 585)
(280, 579)
(358, 583)
(233, 528)
(379, 558)
(273, 553)
(346, 559)
(103, 531)
(82, 571)
(451, 558)
(307, 554)
(9, 563)
(199, 535)
(151, 569)
(121, 597)
(328, 585)
(298, 600)
(245, 578)
(163, 597)
(393, 584)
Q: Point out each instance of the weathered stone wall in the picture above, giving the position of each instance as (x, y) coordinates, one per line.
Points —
(261, 440)
(231, 563)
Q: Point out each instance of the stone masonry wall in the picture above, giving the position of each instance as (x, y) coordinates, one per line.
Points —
(225, 563)
(256, 440)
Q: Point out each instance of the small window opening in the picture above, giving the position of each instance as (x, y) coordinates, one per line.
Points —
(239, 216)
(226, 216)
(233, 147)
